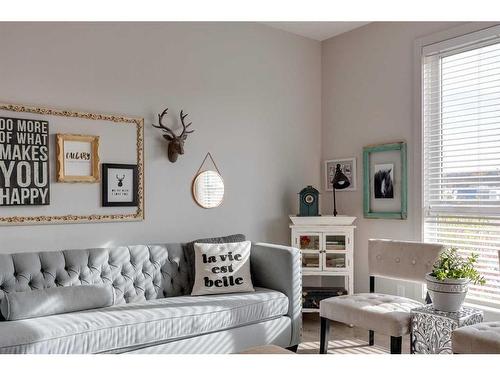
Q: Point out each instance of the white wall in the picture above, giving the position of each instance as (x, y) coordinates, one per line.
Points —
(367, 98)
(255, 95)
(252, 92)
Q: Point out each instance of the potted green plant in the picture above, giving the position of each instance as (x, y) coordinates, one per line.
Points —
(448, 282)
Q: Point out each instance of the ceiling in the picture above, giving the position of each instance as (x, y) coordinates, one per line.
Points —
(316, 30)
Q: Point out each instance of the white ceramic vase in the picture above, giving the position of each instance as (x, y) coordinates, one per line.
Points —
(447, 295)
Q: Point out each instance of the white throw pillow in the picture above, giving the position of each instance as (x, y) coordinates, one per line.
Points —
(222, 268)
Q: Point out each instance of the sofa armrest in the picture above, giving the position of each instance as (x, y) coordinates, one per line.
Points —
(279, 268)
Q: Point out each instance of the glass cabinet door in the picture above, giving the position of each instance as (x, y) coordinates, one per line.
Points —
(307, 241)
(335, 256)
(311, 260)
(335, 261)
(335, 242)
(310, 245)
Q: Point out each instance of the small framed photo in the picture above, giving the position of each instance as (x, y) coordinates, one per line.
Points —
(77, 158)
(348, 167)
(385, 184)
(119, 185)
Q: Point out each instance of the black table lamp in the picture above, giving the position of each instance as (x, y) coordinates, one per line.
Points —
(340, 181)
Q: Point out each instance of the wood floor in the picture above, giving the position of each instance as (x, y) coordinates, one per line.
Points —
(343, 339)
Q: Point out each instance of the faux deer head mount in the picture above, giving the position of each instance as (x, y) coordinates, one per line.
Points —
(175, 142)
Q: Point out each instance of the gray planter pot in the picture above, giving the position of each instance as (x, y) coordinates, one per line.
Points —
(447, 295)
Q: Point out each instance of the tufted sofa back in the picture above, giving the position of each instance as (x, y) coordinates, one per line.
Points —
(137, 273)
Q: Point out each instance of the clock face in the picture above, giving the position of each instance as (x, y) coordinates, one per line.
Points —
(309, 199)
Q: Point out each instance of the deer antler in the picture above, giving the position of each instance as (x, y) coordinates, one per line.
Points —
(184, 126)
(166, 129)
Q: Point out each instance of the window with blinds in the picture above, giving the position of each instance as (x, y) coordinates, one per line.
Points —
(461, 152)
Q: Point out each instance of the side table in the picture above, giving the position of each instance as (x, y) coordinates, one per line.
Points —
(431, 329)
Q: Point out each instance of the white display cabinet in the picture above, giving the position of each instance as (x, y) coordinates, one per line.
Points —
(327, 246)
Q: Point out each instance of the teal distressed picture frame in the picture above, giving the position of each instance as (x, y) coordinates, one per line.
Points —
(367, 185)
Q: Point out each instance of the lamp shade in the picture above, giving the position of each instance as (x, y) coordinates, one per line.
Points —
(340, 180)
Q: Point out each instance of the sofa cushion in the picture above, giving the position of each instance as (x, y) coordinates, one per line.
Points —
(222, 268)
(382, 313)
(224, 239)
(50, 301)
(129, 326)
(189, 249)
(481, 338)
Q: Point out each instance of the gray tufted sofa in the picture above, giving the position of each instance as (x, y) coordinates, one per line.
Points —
(153, 310)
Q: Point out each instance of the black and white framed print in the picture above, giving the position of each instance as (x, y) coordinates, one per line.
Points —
(383, 181)
(385, 186)
(348, 167)
(119, 185)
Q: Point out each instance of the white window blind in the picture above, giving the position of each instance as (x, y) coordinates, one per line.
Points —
(461, 145)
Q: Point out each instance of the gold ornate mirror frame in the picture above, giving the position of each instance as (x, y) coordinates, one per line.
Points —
(68, 219)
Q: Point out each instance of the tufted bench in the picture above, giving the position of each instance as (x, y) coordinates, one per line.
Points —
(153, 306)
(482, 338)
(383, 313)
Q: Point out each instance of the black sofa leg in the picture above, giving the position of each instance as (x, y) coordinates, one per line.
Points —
(396, 344)
(371, 338)
(293, 348)
(325, 334)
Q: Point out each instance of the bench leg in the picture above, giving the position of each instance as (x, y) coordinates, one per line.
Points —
(325, 334)
(371, 338)
(396, 344)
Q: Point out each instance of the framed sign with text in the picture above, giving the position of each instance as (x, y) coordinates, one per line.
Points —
(77, 158)
(24, 162)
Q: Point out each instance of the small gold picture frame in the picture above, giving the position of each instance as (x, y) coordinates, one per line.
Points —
(77, 158)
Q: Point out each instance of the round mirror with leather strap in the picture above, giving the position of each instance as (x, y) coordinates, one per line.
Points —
(208, 186)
